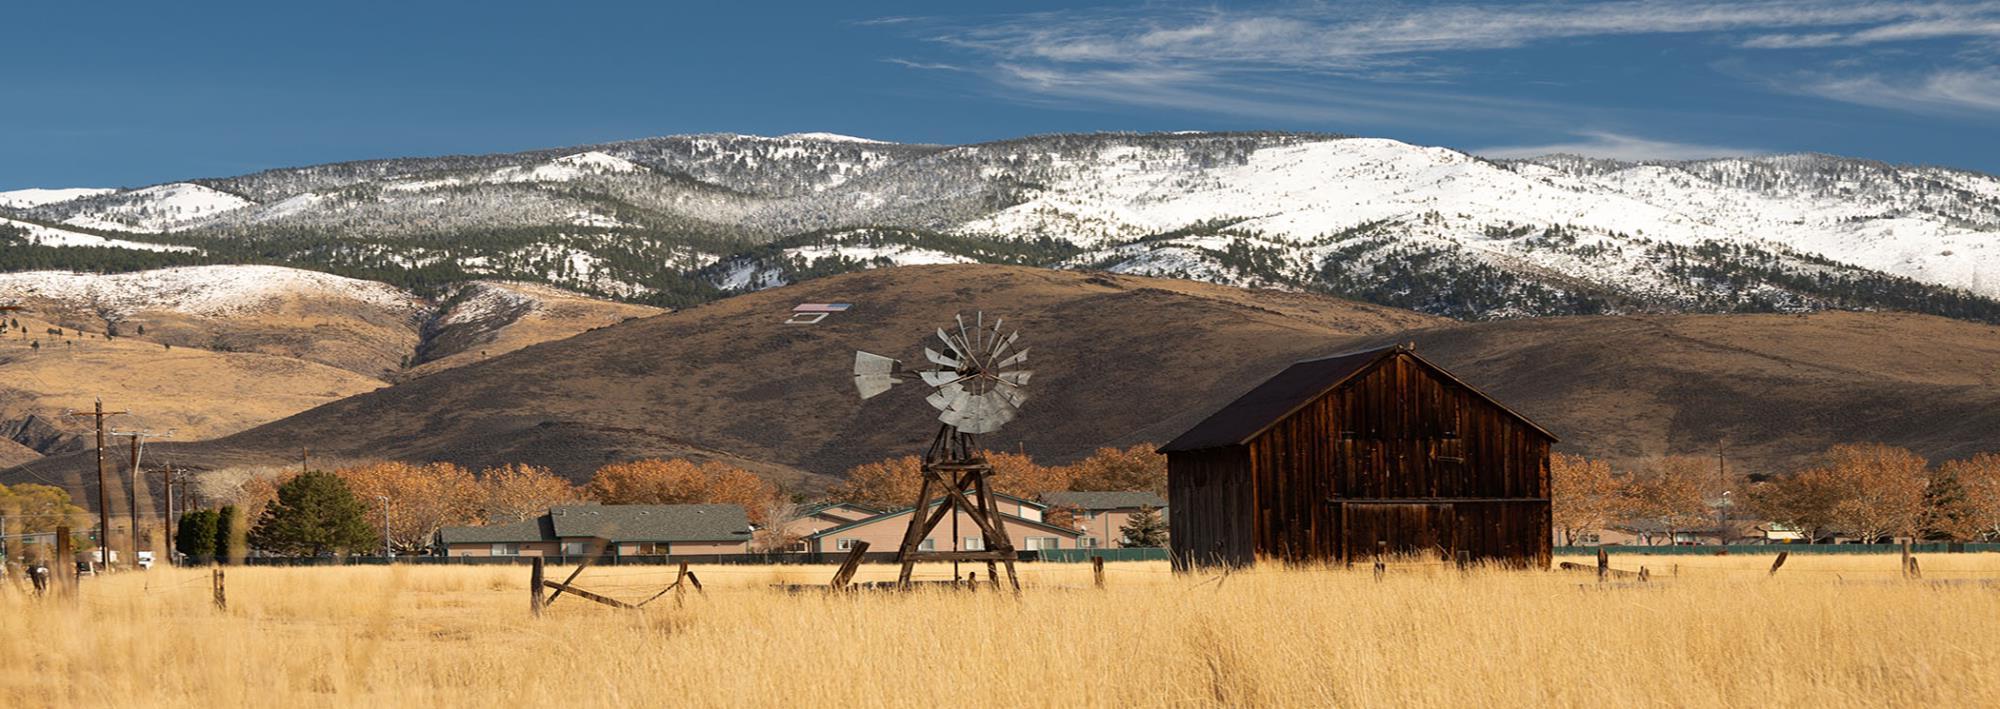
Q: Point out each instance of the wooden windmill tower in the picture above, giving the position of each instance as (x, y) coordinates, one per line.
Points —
(977, 389)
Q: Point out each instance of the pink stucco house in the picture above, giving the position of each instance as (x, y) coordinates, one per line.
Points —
(1100, 515)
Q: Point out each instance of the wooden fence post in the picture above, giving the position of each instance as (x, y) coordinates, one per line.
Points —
(1603, 565)
(1911, 569)
(535, 588)
(1780, 561)
(1097, 571)
(221, 598)
(680, 585)
(848, 567)
(1906, 559)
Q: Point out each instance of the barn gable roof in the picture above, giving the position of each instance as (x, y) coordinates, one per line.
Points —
(1302, 383)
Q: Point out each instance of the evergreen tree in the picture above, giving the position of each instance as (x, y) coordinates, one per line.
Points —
(195, 537)
(315, 515)
(225, 537)
(1145, 529)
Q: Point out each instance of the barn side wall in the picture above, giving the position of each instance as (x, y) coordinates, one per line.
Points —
(1400, 434)
(1209, 508)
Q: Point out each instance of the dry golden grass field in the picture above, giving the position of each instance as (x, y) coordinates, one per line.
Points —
(1827, 631)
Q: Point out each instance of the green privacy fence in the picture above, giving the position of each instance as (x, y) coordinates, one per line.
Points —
(1082, 555)
(1772, 549)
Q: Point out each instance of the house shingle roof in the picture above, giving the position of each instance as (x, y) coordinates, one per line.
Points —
(652, 523)
(1103, 500)
(614, 523)
(534, 529)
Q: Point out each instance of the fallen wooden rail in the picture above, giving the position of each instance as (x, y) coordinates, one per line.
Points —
(1642, 574)
(588, 596)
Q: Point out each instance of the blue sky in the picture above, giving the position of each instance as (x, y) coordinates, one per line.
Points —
(125, 94)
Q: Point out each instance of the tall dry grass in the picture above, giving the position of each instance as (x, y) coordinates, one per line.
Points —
(1828, 631)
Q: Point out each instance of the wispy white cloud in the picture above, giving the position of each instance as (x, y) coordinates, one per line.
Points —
(1970, 25)
(1954, 91)
(1352, 62)
(1604, 144)
(1349, 37)
(928, 66)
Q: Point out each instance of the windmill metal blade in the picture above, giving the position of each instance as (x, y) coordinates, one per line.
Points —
(1013, 394)
(985, 413)
(938, 378)
(873, 385)
(1019, 357)
(874, 374)
(1017, 378)
(948, 397)
(953, 344)
(870, 363)
(939, 359)
(1001, 348)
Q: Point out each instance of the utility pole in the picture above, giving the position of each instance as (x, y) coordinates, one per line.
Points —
(138, 445)
(103, 502)
(167, 486)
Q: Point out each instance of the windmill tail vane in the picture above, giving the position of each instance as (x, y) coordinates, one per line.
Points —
(978, 385)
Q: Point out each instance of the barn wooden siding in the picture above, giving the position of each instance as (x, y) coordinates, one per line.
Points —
(1400, 458)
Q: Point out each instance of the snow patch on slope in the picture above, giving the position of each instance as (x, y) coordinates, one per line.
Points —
(51, 236)
(210, 291)
(158, 208)
(567, 168)
(831, 138)
(36, 196)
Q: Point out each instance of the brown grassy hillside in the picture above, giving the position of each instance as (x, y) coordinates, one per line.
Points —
(1123, 360)
(12, 454)
(249, 345)
(1117, 359)
(197, 393)
(1768, 390)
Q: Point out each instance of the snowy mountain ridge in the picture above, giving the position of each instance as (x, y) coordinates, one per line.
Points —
(680, 219)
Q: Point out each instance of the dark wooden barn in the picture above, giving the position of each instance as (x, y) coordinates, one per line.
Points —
(1334, 459)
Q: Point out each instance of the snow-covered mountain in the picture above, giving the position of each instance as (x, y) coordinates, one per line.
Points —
(679, 219)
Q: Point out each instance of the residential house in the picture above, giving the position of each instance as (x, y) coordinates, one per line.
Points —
(810, 519)
(1100, 515)
(611, 530)
(1020, 518)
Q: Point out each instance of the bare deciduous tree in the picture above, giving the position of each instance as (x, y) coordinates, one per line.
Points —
(414, 501)
(1583, 495)
(884, 484)
(1883, 489)
(517, 492)
(1671, 492)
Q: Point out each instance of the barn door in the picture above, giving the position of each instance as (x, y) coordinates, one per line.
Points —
(1398, 528)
